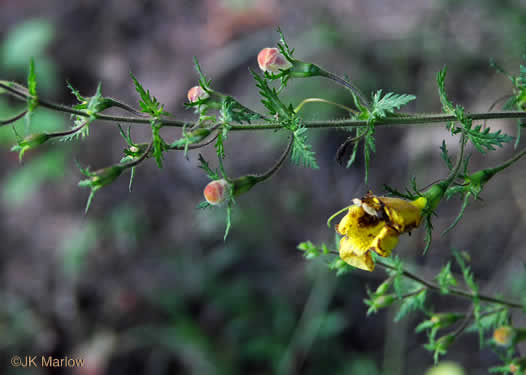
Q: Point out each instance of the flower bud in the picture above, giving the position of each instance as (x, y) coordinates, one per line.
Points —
(503, 335)
(444, 320)
(196, 93)
(102, 177)
(271, 60)
(29, 142)
(383, 288)
(216, 192)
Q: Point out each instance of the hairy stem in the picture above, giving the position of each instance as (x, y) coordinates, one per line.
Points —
(422, 119)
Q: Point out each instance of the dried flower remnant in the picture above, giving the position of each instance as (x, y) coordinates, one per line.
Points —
(196, 93)
(374, 224)
(271, 60)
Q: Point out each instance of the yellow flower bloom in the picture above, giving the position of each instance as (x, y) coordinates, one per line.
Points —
(374, 223)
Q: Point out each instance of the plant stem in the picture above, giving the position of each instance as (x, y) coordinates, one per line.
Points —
(320, 100)
(279, 163)
(455, 291)
(347, 84)
(509, 162)
(454, 172)
(423, 119)
(13, 119)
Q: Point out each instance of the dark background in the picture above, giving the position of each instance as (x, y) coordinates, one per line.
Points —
(144, 283)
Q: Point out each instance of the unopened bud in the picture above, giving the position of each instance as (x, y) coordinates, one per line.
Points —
(383, 301)
(216, 192)
(29, 142)
(196, 93)
(271, 60)
(383, 288)
(102, 177)
(444, 320)
(503, 335)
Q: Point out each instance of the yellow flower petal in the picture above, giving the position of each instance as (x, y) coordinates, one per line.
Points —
(364, 262)
(374, 224)
(385, 242)
(359, 229)
(403, 215)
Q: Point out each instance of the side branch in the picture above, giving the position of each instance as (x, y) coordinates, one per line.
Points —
(455, 291)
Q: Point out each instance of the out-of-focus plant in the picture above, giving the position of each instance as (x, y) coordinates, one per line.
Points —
(372, 225)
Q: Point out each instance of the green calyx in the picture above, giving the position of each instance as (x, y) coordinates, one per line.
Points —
(102, 177)
(29, 142)
(434, 194)
(302, 69)
(444, 320)
(243, 184)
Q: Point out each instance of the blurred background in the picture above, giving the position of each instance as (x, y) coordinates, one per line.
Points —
(144, 283)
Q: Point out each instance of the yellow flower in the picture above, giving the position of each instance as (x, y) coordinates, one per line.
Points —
(374, 223)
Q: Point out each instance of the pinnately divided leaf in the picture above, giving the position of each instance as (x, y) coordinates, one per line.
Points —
(148, 103)
(302, 153)
(387, 104)
(485, 140)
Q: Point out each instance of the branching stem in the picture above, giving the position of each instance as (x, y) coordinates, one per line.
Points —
(459, 292)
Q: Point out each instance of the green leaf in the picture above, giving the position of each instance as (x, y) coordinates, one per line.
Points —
(75, 92)
(203, 205)
(213, 175)
(283, 46)
(228, 219)
(311, 251)
(203, 81)
(465, 203)
(445, 155)
(158, 143)
(32, 79)
(410, 304)
(271, 101)
(446, 279)
(233, 111)
(447, 106)
(148, 103)
(369, 147)
(440, 346)
(394, 192)
(428, 225)
(352, 157)
(32, 100)
(302, 153)
(383, 106)
(485, 140)
(466, 272)
(340, 267)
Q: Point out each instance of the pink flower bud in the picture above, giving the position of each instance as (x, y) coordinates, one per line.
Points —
(196, 93)
(271, 60)
(216, 192)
